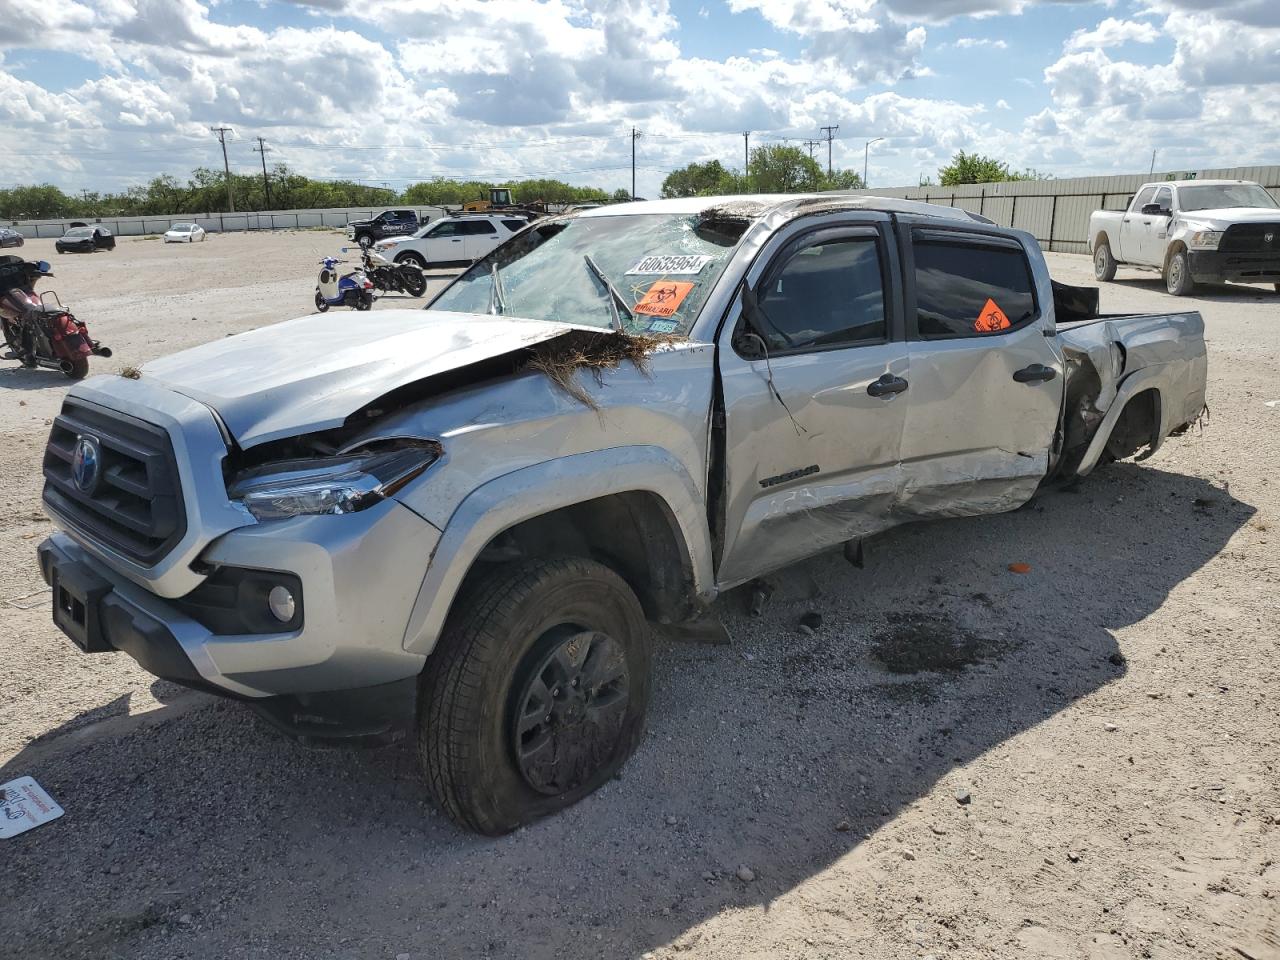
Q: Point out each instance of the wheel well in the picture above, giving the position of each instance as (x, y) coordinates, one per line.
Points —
(635, 533)
(1101, 239)
(1175, 247)
(1137, 426)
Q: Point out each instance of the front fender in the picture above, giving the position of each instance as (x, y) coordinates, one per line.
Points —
(541, 488)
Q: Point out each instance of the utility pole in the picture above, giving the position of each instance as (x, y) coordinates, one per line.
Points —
(746, 161)
(226, 165)
(635, 135)
(830, 132)
(263, 149)
(810, 144)
(866, 152)
(1152, 171)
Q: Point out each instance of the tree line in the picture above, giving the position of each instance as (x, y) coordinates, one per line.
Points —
(206, 192)
(777, 168)
(772, 168)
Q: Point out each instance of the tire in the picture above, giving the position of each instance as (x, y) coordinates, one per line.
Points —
(1104, 264)
(1177, 275)
(497, 657)
(321, 304)
(365, 241)
(415, 284)
(365, 301)
(417, 259)
(79, 369)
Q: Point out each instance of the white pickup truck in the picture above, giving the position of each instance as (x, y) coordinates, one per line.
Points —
(1192, 231)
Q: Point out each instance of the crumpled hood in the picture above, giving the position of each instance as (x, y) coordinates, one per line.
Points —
(312, 373)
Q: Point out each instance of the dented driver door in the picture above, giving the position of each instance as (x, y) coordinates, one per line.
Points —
(815, 403)
(986, 375)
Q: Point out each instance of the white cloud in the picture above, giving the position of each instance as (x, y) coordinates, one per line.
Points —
(1112, 33)
(968, 43)
(1003, 105)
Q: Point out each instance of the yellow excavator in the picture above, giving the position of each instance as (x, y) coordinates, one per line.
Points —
(501, 201)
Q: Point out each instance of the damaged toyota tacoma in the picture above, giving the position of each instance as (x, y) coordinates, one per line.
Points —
(462, 522)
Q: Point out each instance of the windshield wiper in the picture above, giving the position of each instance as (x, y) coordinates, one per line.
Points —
(615, 298)
(497, 296)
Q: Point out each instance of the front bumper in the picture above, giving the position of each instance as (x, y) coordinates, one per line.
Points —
(343, 672)
(1216, 266)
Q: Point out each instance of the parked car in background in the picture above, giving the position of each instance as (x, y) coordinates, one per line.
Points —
(10, 237)
(184, 233)
(463, 522)
(1192, 231)
(85, 240)
(453, 241)
(389, 223)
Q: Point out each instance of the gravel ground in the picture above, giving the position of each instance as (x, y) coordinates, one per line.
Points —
(960, 762)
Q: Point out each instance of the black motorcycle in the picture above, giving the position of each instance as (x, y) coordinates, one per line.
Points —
(388, 275)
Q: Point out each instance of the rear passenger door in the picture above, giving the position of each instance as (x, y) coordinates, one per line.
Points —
(986, 374)
(481, 237)
(814, 413)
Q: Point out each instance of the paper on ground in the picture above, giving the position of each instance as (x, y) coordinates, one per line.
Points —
(23, 806)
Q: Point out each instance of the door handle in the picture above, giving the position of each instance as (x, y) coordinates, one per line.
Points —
(887, 386)
(1126, 220)
(1035, 373)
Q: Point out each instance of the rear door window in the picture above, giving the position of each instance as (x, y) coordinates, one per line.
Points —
(971, 288)
(479, 228)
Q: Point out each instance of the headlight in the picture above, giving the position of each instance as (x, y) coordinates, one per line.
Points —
(1206, 239)
(335, 485)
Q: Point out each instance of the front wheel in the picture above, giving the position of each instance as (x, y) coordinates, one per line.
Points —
(365, 241)
(78, 368)
(1177, 275)
(1104, 264)
(321, 304)
(365, 302)
(536, 693)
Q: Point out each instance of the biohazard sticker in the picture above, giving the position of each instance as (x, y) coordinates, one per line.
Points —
(672, 266)
(991, 319)
(663, 299)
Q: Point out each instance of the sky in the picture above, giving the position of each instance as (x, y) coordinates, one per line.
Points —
(104, 94)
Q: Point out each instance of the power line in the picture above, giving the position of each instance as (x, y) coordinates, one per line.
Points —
(635, 135)
(226, 164)
(830, 132)
(263, 149)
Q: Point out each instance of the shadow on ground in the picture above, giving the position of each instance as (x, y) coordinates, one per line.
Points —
(229, 842)
(1216, 292)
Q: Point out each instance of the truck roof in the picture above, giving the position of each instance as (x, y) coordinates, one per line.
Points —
(759, 204)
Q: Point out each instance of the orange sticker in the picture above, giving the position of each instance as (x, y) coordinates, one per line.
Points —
(991, 318)
(663, 298)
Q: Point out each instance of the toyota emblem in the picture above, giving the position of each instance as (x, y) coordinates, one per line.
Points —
(86, 463)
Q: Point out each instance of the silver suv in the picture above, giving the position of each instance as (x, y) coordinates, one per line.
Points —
(461, 522)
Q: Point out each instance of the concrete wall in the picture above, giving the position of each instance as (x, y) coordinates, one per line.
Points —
(1056, 212)
(219, 222)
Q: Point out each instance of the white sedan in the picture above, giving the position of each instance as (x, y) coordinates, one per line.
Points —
(184, 233)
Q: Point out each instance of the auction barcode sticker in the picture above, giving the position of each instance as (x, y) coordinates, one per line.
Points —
(672, 266)
(23, 806)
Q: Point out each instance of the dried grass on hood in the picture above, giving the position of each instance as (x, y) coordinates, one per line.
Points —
(561, 358)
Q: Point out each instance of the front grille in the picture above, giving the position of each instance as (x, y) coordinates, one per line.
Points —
(136, 506)
(1251, 238)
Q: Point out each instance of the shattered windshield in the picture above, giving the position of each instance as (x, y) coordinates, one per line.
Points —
(645, 273)
(1222, 196)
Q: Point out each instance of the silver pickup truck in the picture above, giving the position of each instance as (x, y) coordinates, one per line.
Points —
(461, 522)
(1192, 231)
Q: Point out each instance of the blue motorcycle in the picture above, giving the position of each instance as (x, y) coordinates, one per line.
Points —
(352, 289)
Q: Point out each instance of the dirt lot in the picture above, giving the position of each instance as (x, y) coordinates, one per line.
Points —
(1079, 762)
